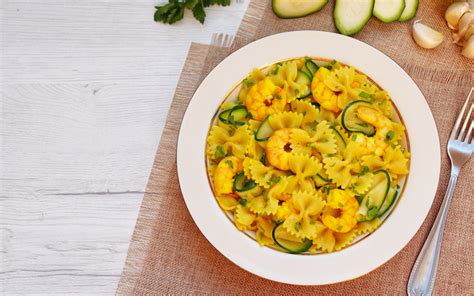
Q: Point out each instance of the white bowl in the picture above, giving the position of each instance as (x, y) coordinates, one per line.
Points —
(320, 269)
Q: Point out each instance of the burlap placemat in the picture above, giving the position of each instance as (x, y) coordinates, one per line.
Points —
(168, 254)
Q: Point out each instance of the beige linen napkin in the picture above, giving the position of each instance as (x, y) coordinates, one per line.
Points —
(168, 254)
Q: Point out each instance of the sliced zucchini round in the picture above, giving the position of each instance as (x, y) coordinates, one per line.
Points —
(302, 78)
(311, 67)
(296, 8)
(264, 131)
(290, 246)
(242, 184)
(411, 6)
(389, 201)
(388, 10)
(234, 115)
(351, 16)
(351, 123)
(374, 199)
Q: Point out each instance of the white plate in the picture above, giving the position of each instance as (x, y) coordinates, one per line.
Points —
(355, 260)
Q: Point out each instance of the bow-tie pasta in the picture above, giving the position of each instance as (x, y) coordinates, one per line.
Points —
(307, 156)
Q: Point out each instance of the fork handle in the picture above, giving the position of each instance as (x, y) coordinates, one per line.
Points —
(423, 274)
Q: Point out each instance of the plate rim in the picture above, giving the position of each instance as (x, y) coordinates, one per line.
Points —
(436, 165)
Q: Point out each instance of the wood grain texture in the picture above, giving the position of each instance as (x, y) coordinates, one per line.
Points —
(86, 86)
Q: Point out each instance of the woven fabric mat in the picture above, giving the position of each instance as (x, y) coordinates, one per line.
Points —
(168, 254)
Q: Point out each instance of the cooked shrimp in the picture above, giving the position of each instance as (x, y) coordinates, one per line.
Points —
(265, 98)
(323, 94)
(224, 174)
(340, 213)
(278, 149)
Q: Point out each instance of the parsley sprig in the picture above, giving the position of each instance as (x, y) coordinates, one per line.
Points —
(173, 11)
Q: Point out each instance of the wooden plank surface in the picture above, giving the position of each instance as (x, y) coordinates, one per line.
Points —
(86, 86)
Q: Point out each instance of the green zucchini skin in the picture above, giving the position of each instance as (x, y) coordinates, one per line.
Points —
(388, 202)
(264, 131)
(411, 7)
(281, 8)
(304, 247)
(365, 206)
(344, 118)
(234, 115)
(388, 14)
(344, 14)
(242, 184)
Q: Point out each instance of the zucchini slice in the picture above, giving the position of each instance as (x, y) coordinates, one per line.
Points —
(296, 8)
(224, 115)
(302, 78)
(242, 184)
(234, 115)
(340, 142)
(389, 201)
(264, 131)
(388, 10)
(311, 67)
(351, 123)
(293, 247)
(374, 199)
(411, 6)
(350, 16)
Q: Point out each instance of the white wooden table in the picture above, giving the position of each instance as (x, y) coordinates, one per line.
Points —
(86, 86)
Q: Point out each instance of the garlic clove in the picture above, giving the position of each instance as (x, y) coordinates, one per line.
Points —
(426, 37)
(468, 49)
(455, 12)
(464, 22)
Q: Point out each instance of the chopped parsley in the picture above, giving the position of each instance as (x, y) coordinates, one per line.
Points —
(390, 135)
(324, 140)
(229, 163)
(297, 226)
(354, 137)
(365, 95)
(243, 202)
(326, 189)
(219, 152)
(364, 170)
(263, 159)
(312, 222)
(279, 97)
(372, 212)
(248, 82)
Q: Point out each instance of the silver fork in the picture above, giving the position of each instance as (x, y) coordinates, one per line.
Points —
(460, 148)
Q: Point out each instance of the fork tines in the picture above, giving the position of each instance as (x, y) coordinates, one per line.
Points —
(463, 133)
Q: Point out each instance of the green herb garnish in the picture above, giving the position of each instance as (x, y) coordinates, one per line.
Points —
(247, 82)
(390, 135)
(173, 11)
(230, 163)
(364, 170)
(219, 152)
(297, 226)
(365, 95)
(243, 202)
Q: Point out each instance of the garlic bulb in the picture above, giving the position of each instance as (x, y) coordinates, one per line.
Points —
(468, 49)
(464, 22)
(461, 39)
(455, 12)
(426, 37)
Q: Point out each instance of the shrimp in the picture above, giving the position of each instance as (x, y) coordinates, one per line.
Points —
(278, 149)
(340, 213)
(323, 94)
(265, 98)
(224, 174)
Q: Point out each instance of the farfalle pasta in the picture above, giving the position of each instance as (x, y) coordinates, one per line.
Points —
(307, 156)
